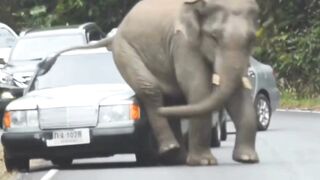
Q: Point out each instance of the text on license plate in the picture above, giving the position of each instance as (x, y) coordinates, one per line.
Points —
(69, 137)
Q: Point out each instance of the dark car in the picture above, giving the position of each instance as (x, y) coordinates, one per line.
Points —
(32, 46)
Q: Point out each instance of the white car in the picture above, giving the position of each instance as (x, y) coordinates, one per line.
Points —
(76, 106)
(8, 39)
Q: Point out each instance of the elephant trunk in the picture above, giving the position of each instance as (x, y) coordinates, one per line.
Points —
(229, 79)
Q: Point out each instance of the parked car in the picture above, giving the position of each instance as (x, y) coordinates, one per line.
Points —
(8, 39)
(35, 44)
(265, 93)
(32, 46)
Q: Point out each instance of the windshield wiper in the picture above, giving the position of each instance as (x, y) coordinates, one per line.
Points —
(34, 59)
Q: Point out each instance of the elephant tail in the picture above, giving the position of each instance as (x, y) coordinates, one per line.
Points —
(106, 42)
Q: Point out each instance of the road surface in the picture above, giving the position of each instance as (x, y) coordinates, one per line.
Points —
(289, 150)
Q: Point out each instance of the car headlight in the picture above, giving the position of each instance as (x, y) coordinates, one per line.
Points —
(118, 113)
(7, 95)
(21, 119)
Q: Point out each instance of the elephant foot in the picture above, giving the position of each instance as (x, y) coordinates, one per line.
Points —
(172, 154)
(168, 148)
(204, 159)
(245, 155)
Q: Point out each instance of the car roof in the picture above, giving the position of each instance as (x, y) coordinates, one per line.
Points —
(56, 30)
(2, 25)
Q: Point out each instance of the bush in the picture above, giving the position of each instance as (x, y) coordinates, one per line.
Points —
(292, 45)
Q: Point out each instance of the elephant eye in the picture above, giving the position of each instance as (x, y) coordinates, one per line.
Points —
(215, 34)
(214, 37)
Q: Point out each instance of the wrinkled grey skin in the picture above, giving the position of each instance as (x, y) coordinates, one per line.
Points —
(167, 52)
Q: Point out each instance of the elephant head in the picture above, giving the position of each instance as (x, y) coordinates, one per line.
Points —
(223, 31)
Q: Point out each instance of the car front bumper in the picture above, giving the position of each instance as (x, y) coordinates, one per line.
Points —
(103, 142)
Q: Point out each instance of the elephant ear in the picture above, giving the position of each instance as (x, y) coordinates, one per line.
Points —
(188, 22)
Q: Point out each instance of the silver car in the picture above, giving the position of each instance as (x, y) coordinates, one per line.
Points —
(265, 92)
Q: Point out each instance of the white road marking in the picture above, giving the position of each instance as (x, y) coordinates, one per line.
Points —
(298, 110)
(49, 175)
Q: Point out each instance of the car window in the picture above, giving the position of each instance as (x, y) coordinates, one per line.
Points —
(80, 69)
(30, 48)
(7, 39)
(94, 35)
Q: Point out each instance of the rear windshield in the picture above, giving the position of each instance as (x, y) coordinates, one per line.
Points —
(80, 70)
(31, 48)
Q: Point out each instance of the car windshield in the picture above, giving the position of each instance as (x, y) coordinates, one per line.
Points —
(80, 69)
(7, 39)
(31, 48)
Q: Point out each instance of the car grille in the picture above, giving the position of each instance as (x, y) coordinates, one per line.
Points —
(22, 79)
(68, 117)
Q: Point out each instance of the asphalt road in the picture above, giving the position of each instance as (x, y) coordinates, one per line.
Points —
(289, 150)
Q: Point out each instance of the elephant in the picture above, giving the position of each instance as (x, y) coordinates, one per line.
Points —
(187, 59)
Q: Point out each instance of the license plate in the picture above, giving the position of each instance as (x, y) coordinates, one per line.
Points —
(69, 137)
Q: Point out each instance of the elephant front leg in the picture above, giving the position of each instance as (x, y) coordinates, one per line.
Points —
(196, 87)
(241, 110)
(199, 141)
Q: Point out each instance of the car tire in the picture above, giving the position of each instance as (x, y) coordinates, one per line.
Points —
(19, 164)
(215, 135)
(62, 162)
(263, 110)
(148, 155)
(223, 129)
(147, 158)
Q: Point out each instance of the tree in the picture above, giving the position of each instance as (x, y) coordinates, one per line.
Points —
(290, 41)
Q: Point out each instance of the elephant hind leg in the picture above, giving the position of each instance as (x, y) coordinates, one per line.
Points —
(148, 90)
(241, 110)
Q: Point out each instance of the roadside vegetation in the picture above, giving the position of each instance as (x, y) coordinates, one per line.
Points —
(292, 101)
(288, 40)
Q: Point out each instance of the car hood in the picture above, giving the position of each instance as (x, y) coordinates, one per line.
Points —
(22, 66)
(73, 96)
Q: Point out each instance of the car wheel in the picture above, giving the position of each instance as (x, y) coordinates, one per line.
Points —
(215, 135)
(62, 162)
(148, 155)
(147, 158)
(263, 110)
(20, 164)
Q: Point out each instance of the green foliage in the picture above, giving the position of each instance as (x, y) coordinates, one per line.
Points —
(46, 13)
(290, 100)
(291, 43)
